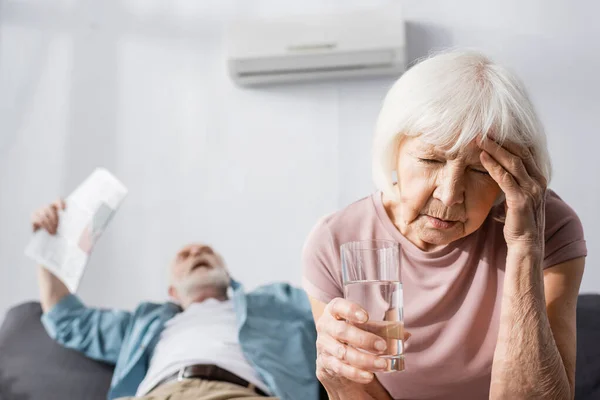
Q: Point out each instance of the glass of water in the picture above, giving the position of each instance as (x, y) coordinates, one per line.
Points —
(371, 276)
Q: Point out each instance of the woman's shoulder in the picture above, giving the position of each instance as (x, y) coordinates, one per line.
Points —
(344, 225)
(564, 235)
(349, 218)
(320, 255)
(559, 215)
(555, 205)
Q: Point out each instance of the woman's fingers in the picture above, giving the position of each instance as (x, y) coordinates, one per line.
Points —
(349, 347)
(525, 154)
(335, 366)
(356, 337)
(514, 168)
(343, 309)
(511, 163)
(349, 355)
(504, 179)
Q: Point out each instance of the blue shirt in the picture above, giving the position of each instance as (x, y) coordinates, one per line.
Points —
(275, 329)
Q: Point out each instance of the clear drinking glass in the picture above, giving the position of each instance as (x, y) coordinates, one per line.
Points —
(371, 276)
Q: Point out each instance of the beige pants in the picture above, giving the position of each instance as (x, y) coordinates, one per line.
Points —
(198, 389)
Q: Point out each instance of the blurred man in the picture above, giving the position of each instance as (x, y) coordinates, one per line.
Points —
(209, 346)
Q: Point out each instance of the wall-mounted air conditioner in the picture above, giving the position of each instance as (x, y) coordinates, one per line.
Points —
(311, 48)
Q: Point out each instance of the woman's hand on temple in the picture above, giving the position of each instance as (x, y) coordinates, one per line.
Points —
(514, 169)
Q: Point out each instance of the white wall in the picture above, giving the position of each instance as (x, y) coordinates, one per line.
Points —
(140, 87)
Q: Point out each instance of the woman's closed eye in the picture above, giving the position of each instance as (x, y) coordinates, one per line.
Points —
(481, 171)
(430, 161)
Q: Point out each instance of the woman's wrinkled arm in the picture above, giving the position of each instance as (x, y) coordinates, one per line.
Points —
(536, 349)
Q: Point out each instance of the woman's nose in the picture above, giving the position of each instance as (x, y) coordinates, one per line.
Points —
(450, 188)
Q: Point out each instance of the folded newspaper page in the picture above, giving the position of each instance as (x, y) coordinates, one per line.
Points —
(88, 211)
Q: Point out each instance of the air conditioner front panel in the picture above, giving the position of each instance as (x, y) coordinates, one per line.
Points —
(315, 75)
(339, 61)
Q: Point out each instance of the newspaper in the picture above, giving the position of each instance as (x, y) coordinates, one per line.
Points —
(88, 211)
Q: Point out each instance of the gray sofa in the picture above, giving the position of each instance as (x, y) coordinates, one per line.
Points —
(33, 367)
(587, 381)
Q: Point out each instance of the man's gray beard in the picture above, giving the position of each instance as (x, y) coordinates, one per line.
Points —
(191, 286)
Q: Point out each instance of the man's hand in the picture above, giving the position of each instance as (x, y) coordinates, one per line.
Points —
(52, 289)
(47, 217)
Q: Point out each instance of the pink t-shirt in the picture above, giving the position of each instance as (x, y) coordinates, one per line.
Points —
(451, 296)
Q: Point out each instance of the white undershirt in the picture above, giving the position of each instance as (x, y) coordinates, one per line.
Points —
(205, 333)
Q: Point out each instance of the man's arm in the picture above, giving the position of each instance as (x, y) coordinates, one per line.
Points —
(52, 290)
(97, 333)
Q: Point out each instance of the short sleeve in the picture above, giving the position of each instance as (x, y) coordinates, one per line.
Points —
(564, 233)
(322, 279)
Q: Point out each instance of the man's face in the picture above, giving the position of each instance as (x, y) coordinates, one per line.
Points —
(197, 267)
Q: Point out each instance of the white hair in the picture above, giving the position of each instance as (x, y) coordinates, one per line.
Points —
(190, 286)
(450, 99)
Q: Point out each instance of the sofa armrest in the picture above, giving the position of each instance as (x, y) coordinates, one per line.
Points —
(33, 366)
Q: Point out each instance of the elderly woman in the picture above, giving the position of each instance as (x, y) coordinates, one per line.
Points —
(492, 260)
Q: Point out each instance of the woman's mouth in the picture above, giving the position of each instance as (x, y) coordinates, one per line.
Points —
(440, 223)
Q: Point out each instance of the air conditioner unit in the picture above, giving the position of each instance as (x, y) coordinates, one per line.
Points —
(312, 48)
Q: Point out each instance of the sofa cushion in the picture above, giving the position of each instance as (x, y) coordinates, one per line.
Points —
(587, 381)
(33, 366)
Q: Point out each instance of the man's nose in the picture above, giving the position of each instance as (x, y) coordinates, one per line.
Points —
(196, 251)
(200, 249)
